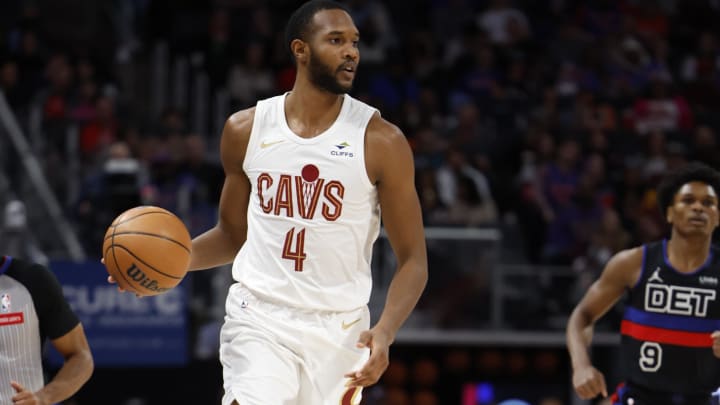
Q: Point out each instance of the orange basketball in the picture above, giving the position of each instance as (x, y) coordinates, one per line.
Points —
(147, 250)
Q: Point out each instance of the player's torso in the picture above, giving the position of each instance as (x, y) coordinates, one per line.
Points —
(666, 327)
(313, 213)
(20, 351)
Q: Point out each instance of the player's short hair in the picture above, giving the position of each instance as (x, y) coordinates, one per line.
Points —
(672, 183)
(299, 24)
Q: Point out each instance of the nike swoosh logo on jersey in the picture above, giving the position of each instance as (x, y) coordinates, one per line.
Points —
(346, 326)
(264, 144)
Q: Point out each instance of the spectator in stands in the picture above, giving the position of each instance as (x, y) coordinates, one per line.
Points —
(505, 24)
(465, 192)
(248, 79)
(661, 110)
(559, 185)
(100, 132)
(15, 237)
(107, 194)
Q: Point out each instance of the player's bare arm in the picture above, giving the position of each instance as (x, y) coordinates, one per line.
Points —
(621, 272)
(75, 372)
(219, 245)
(390, 166)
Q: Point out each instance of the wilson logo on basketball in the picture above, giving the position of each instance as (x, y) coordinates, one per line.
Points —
(139, 276)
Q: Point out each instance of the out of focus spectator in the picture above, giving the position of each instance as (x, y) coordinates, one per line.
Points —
(248, 80)
(15, 238)
(101, 131)
(559, 185)
(465, 192)
(661, 110)
(106, 194)
(203, 179)
(504, 23)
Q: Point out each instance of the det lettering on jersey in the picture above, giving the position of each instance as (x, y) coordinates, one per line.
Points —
(677, 300)
(301, 195)
(13, 318)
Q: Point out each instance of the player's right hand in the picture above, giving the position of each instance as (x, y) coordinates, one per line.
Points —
(589, 383)
(110, 278)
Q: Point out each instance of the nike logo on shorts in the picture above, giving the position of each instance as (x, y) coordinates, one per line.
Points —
(346, 326)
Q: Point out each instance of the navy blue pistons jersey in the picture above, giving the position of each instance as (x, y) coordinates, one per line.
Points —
(669, 317)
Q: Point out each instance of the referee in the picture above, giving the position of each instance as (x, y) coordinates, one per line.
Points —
(33, 308)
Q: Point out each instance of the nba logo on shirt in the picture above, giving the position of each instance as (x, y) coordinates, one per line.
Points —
(4, 303)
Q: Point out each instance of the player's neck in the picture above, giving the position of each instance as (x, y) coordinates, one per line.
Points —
(687, 253)
(309, 111)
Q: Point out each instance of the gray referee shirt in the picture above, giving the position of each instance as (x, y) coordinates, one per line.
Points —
(32, 308)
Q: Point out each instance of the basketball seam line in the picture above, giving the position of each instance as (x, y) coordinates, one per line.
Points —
(144, 213)
(149, 234)
(117, 266)
(145, 263)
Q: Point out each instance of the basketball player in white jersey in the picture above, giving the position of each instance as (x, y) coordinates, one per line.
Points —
(308, 174)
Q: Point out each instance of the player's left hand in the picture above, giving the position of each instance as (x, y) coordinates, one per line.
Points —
(716, 343)
(378, 342)
(25, 397)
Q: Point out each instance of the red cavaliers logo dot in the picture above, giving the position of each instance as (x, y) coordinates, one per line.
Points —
(310, 173)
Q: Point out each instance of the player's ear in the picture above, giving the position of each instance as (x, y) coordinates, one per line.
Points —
(299, 49)
(669, 215)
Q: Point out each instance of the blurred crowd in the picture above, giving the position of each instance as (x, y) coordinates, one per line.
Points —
(555, 117)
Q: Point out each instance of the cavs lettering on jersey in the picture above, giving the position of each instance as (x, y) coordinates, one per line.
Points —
(666, 327)
(313, 214)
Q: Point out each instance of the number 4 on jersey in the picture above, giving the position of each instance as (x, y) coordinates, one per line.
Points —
(298, 254)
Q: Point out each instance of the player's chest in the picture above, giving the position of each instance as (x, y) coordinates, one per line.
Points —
(667, 292)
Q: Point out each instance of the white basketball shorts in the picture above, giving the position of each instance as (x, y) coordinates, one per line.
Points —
(277, 355)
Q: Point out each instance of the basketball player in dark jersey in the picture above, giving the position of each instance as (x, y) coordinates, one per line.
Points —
(32, 308)
(670, 339)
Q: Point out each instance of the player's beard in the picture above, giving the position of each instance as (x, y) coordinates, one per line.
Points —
(323, 77)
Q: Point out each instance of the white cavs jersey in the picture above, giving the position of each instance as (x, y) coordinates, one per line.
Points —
(313, 214)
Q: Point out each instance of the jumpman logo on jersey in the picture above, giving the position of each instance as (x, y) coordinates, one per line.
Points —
(656, 276)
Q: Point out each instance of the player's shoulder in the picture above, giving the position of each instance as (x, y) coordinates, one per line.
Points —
(628, 257)
(19, 267)
(384, 133)
(388, 151)
(235, 138)
(625, 266)
(240, 123)
(35, 277)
